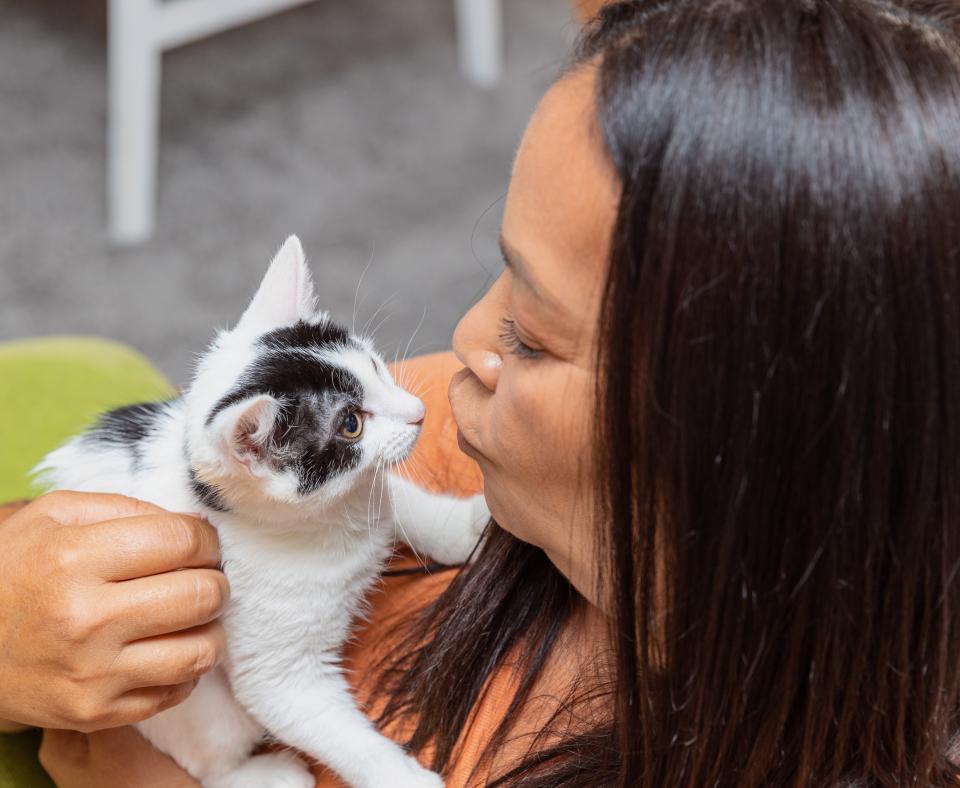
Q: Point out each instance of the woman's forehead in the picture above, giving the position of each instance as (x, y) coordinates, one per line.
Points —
(563, 194)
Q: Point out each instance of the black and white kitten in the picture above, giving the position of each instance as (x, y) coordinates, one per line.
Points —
(282, 441)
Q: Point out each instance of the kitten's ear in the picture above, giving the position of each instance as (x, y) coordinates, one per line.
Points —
(286, 292)
(243, 430)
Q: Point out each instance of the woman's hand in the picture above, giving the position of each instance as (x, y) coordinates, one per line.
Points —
(116, 758)
(96, 631)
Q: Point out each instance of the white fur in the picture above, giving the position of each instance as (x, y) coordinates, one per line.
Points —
(298, 567)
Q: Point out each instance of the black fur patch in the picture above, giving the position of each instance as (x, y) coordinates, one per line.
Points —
(286, 376)
(306, 438)
(207, 494)
(128, 427)
(306, 336)
(316, 396)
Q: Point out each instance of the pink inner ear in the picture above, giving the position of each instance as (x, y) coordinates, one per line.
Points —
(246, 445)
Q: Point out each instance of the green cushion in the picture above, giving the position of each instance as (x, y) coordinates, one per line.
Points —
(50, 389)
(19, 767)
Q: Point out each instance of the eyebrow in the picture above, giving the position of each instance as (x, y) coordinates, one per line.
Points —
(521, 269)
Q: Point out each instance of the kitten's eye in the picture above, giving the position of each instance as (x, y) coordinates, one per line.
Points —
(352, 426)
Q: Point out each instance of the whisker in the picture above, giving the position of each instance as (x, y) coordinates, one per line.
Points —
(416, 331)
(424, 346)
(370, 498)
(356, 294)
(406, 539)
(372, 317)
(379, 325)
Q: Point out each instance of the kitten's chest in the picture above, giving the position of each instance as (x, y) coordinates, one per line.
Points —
(299, 603)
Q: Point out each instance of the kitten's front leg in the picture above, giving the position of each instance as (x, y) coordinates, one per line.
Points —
(209, 733)
(322, 720)
(441, 526)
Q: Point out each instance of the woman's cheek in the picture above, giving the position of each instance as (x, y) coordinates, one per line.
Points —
(539, 408)
(511, 435)
(517, 426)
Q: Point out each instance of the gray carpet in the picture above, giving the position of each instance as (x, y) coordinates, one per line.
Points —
(346, 123)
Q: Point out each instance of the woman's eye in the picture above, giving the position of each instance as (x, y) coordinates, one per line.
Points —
(511, 340)
(352, 426)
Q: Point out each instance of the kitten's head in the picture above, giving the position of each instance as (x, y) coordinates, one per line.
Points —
(288, 409)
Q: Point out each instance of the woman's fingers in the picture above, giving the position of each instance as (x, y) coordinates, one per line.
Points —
(169, 660)
(120, 538)
(135, 705)
(164, 603)
(143, 702)
(143, 545)
(63, 620)
(76, 508)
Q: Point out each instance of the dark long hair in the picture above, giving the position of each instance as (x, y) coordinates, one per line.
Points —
(778, 415)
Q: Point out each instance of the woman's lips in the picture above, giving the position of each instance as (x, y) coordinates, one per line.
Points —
(458, 380)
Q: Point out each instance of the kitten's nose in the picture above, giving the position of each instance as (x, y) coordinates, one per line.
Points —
(417, 414)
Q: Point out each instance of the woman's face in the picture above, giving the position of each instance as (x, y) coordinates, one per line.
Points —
(525, 402)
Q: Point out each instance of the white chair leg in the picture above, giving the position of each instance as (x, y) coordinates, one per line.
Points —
(480, 39)
(134, 97)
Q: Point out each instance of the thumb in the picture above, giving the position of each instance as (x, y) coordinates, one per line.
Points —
(62, 746)
(116, 741)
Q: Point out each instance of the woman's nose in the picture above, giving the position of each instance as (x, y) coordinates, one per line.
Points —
(485, 364)
(475, 343)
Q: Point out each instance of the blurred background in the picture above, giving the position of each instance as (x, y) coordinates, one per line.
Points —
(348, 123)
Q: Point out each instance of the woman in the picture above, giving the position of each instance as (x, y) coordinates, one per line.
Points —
(715, 397)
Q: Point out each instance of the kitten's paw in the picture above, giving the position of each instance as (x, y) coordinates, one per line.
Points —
(479, 519)
(471, 518)
(270, 770)
(408, 773)
(478, 516)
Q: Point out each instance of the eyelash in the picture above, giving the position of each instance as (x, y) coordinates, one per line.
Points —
(511, 339)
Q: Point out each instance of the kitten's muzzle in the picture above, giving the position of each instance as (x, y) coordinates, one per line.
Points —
(400, 448)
